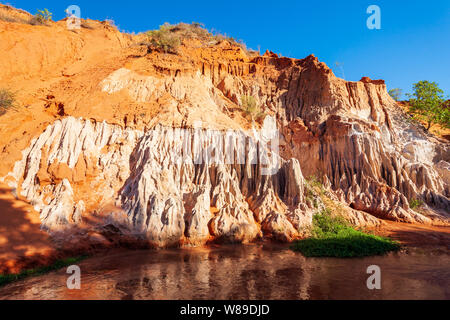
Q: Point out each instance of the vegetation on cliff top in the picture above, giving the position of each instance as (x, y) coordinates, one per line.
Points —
(164, 39)
(169, 37)
(40, 18)
(332, 237)
(427, 103)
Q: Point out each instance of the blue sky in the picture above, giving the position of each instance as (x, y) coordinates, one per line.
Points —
(413, 43)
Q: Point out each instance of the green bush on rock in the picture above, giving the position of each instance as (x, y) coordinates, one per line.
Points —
(332, 237)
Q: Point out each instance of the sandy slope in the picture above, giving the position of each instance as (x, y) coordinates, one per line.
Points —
(22, 243)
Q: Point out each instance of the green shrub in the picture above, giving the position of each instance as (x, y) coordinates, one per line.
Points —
(164, 39)
(311, 197)
(7, 100)
(44, 14)
(415, 203)
(325, 224)
(169, 37)
(250, 107)
(41, 17)
(314, 190)
(333, 237)
(249, 104)
(314, 182)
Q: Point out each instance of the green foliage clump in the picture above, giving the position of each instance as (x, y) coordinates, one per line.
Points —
(314, 190)
(311, 197)
(249, 104)
(427, 103)
(7, 99)
(324, 224)
(395, 93)
(332, 237)
(8, 278)
(315, 183)
(169, 37)
(164, 39)
(415, 203)
(251, 108)
(41, 17)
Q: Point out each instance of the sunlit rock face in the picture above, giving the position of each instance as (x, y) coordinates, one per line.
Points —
(363, 146)
(169, 186)
(174, 181)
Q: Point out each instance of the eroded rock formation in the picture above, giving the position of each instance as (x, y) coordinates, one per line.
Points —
(160, 185)
(112, 157)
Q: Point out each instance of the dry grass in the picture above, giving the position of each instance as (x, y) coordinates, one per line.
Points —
(7, 100)
(168, 37)
(4, 16)
(9, 14)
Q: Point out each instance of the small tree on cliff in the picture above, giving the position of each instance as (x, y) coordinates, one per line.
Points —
(427, 103)
(395, 93)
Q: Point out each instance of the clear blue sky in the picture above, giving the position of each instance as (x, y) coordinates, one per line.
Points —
(413, 43)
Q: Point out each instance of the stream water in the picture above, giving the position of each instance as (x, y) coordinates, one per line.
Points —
(256, 271)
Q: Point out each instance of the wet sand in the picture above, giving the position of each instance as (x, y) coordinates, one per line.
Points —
(417, 236)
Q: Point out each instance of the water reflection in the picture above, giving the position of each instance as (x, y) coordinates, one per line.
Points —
(258, 271)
